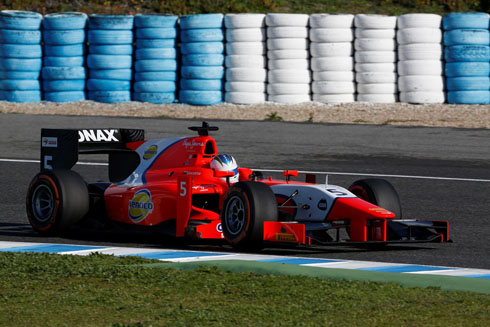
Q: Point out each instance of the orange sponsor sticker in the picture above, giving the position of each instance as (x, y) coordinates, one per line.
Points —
(285, 237)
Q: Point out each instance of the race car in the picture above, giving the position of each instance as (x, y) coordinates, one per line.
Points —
(184, 187)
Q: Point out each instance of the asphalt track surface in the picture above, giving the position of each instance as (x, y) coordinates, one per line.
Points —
(455, 162)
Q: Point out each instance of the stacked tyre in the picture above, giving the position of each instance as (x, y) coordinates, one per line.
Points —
(332, 59)
(155, 58)
(245, 60)
(20, 56)
(420, 66)
(202, 69)
(467, 54)
(64, 49)
(375, 57)
(289, 74)
(110, 58)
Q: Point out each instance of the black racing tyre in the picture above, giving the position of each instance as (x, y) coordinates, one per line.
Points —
(56, 200)
(246, 206)
(378, 192)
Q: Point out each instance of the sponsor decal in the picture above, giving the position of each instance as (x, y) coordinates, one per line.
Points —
(193, 173)
(285, 237)
(140, 206)
(377, 209)
(97, 135)
(49, 142)
(322, 205)
(150, 152)
(203, 187)
(190, 144)
(219, 228)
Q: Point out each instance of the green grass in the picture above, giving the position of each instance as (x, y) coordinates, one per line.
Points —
(273, 116)
(184, 7)
(98, 290)
(362, 121)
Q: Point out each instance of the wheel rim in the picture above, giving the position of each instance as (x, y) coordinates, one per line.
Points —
(42, 203)
(235, 215)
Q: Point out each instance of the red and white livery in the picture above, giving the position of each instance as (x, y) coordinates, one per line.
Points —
(177, 185)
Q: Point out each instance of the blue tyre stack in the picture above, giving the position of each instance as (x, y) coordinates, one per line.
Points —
(202, 69)
(467, 54)
(155, 58)
(110, 58)
(20, 56)
(64, 49)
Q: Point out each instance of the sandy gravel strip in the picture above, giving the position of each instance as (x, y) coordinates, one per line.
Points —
(460, 116)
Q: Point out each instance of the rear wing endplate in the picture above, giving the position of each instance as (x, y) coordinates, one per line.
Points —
(60, 147)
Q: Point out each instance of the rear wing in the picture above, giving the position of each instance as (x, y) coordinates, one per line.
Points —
(60, 148)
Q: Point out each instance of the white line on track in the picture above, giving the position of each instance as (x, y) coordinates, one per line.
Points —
(299, 171)
(381, 175)
(37, 161)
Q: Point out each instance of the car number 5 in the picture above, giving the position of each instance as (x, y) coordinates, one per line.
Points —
(183, 190)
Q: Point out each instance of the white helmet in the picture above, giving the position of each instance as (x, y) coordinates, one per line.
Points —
(225, 162)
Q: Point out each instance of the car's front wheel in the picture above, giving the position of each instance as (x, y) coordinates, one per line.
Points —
(246, 206)
(379, 192)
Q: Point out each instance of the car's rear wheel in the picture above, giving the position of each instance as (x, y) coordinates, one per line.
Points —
(246, 206)
(56, 200)
(378, 192)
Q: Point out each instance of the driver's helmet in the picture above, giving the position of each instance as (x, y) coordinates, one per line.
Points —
(225, 162)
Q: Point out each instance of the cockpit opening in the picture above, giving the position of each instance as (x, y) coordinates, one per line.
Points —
(210, 149)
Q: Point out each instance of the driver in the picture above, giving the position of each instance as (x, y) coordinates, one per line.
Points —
(225, 162)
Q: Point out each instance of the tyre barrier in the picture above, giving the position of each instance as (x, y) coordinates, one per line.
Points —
(75, 61)
(288, 33)
(365, 53)
(110, 58)
(113, 74)
(202, 68)
(20, 20)
(111, 22)
(26, 51)
(20, 56)
(420, 65)
(375, 58)
(63, 63)
(465, 20)
(467, 55)
(155, 58)
(72, 50)
(332, 51)
(246, 50)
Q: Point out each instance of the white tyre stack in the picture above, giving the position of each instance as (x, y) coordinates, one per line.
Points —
(332, 59)
(375, 58)
(420, 65)
(289, 75)
(245, 60)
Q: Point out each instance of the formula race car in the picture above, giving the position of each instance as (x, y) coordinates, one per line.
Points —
(183, 186)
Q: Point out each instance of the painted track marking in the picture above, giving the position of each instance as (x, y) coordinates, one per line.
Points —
(173, 255)
(299, 171)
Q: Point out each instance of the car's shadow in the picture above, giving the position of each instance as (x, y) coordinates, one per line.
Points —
(18, 232)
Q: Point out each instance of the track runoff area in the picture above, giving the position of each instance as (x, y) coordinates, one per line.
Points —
(450, 278)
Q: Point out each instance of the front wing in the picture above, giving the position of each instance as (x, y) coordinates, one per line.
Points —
(376, 231)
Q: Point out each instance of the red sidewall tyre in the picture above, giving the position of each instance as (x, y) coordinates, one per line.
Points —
(56, 200)
(378, 192)
(246, 206)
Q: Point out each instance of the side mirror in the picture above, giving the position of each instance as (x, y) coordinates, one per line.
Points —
(226, 174)
(289, 173)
